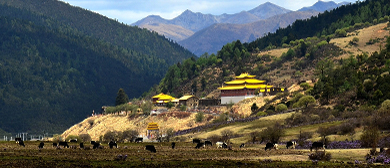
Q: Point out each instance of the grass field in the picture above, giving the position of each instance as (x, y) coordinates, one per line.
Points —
(184, 155)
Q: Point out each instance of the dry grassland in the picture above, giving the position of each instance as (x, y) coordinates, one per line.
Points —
(104, 123)
(364, 35)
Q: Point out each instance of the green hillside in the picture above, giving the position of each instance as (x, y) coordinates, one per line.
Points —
(53, 72)
(306, 43)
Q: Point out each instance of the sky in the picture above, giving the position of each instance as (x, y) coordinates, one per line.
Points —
(130, 11)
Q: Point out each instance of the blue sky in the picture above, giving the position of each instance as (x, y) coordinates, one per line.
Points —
(130, 11)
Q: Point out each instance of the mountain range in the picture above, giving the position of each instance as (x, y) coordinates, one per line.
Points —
(192, 30)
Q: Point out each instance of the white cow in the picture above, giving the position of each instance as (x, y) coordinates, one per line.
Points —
(221, 144)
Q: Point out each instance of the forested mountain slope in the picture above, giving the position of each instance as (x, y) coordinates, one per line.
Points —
(100, 27)
(55, 69)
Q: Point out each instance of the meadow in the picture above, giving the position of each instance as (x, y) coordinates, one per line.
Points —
(184, 155)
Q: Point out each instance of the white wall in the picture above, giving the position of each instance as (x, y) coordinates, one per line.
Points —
(234, 99)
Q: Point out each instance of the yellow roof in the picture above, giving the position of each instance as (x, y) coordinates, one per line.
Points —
(245, 75)
(159, 95)
(242, 81)
(186, 97)
(152, 126)
(239, 87)
(166, 97)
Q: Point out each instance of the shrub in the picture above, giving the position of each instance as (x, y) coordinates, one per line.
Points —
(112, 136)
(214, 138)
(221, 118)
(85, 137)
(272, 133)
(280, 107)
(370, 137)
(297, 118)
(129, 135)
(340, 33)
(199, 117)
(169, 105)
(346, 128)
(226, 135)
(90, 122)
(254, 107)
(320, 155)
(169, 133)
(261, 113)
(183, 107)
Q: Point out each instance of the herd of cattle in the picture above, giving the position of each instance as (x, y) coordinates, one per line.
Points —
(151, 148)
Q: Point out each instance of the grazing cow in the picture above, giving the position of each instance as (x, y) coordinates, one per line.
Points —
(200, 145)
(21, 143)
(196, 141)
(221, 144)
(54, 144)
(207, 143)
(150, 148)
(224, 145)
(73, 140)
(81, 145)
(242, 145)
(270, 146)
(173, 145)
(138, 140)
(112, 144)
(40, 146)
(291, 144)
(65, 144)
(96, 145)
(317, 145)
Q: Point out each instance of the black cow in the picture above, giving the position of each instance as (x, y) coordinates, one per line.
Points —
(139, 140)
(73, 140)
(54, 144)
(81, 145)
(21, 143)
(242, 145)
(93, 142)
(18, 139)
(40, 146)
(317, 145)
(291, 144)
(65, 144)
(224, 145)
(207, 143)
(96, 145)
(112, 144)
(200, 145)
(173, 145)
(270, 146)
(196, 141)
(150, 148)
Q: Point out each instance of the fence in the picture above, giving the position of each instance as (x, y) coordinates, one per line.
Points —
(25, 136)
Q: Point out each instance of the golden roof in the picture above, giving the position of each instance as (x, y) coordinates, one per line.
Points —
(159, 95)
(240, 87)
(242, 81)
(245, 75)
(152, 126)
(186, 97)
(166, 97)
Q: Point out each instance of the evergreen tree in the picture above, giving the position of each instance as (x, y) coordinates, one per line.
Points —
(121, 97)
